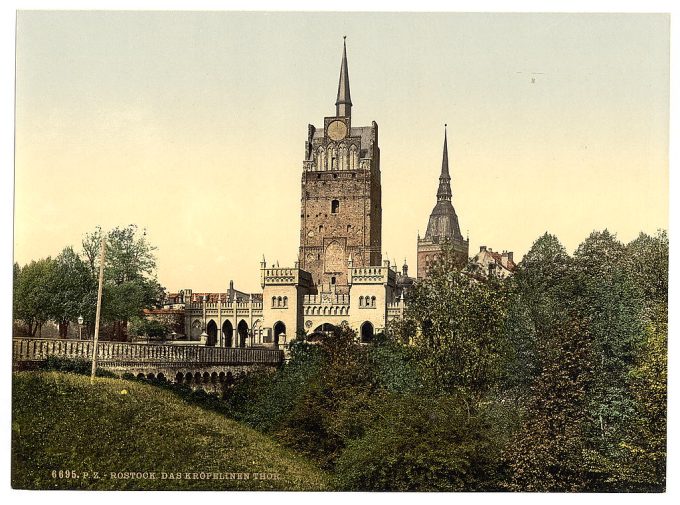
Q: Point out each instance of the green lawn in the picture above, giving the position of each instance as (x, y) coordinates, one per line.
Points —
(60, 423)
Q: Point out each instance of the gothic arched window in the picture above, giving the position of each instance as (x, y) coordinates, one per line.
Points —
(343, 165)
(320, 159)
(353, 157)
(329, 158)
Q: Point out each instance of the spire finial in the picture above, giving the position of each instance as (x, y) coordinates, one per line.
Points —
(343, 105)
(444, 191)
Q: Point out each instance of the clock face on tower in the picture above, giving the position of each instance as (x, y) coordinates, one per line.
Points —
(337, 130)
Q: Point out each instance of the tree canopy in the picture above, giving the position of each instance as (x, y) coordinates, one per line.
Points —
(64, 288)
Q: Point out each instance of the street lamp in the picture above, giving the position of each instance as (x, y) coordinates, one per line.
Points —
(80, 327)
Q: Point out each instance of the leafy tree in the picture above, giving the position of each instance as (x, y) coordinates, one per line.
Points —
(70, 284)
(546, 453)
(129, 256)
(461, 344)
(149, 327)
(642, 465)
(33, 298)
(129, 275)
(537, 291)
(423, 443)
(608, 301)
(646, 259)
(333, 406)
(641, 462)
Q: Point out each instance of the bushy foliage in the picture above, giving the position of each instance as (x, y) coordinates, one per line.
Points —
(578, 330)
(460, 344)
(80, 366)
(551, 380)
(151, 328)
(423, 443)
(32, 300)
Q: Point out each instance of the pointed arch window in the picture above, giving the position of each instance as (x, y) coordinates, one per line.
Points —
(353, 157)
(329, 158)
(343, 161)
(320, 159)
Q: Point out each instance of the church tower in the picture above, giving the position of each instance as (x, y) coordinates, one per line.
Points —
(442, 226)
(341, 212)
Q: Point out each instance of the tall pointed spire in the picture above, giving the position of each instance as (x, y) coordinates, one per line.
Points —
(343, 105)
(444, 191)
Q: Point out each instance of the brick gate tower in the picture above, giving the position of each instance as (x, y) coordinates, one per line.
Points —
(341, 212)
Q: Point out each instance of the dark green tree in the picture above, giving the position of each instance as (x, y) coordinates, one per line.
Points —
(129, 273)
(32, 297)
(461, 342)
(641, 465)
(150, 328)
(646, 259)
(423, 443)
(546, 452)
(609, 302)
(70, 285)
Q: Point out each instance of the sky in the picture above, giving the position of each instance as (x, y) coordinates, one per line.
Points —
(192, 125)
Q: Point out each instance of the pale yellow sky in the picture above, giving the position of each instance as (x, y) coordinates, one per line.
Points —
(193, 126)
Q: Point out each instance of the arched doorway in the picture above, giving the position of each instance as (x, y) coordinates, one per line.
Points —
(242, 333)
(366, 332)
(211, 330)
(195, 330)
(228, 332)
(279, 329)
(323, 329)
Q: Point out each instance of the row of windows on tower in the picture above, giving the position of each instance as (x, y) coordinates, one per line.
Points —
(349, 228)
(279, 301)
(367, 301)
(333, 158)
(282, 302)
(430, 260)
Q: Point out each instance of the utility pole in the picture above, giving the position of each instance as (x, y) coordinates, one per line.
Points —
(102, 255)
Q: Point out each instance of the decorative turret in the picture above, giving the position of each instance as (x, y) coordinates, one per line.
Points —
(343, 104)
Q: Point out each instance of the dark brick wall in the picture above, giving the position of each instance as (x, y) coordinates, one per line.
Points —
(328, 238)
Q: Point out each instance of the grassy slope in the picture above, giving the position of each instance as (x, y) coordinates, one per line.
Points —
(60, 422)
